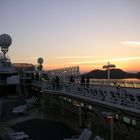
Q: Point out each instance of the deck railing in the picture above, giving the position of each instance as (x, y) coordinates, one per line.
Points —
(126, 98)
(113, 82)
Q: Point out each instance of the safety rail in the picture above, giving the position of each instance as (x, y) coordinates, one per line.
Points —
(117, 82)
(125, 98)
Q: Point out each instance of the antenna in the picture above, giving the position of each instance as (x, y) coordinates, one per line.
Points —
(40, 62)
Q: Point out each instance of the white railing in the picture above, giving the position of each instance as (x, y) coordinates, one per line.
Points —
(123, 97)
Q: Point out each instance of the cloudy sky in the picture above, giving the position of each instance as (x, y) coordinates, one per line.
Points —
(88, 33)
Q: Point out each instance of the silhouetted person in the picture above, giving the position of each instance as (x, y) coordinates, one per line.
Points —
(82, 81)
(57, 81)
(53, 83)
(87, 81)
(118, 87)
(71, 79)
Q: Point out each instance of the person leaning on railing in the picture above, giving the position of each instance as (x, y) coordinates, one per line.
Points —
(117, 85)
(83, 81)
(71, 79)
(87, 81)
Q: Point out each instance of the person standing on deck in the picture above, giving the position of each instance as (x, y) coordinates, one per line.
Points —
(87, 81)
(71, 79)
(57, 82)
(83, 81)
(71, 82)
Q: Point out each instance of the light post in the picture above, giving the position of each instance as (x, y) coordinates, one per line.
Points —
(80, 113)
(109, 116)
(40, 62)
(62, 106)
(80, 120)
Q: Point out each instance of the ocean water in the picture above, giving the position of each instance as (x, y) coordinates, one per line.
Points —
(121, 80)
(130, 82)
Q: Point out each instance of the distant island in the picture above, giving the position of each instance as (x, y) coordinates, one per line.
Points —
(114, 74)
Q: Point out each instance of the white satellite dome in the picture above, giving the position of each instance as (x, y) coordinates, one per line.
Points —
(40, 60)
(5, 41)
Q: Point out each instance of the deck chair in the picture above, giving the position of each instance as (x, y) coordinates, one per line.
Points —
(18, 136)
(85, 135)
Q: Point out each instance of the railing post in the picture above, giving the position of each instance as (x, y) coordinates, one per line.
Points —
(111, 127)
(62, 107)
(80, 120)
(51, 101)
(109, 115)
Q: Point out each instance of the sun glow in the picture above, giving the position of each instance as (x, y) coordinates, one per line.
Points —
(107, 60)
(86, 66)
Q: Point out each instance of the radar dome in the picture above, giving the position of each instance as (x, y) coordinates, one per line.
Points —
(40, 60)
(5, 40)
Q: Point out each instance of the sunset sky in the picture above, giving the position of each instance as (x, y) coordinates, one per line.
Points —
(88, 33)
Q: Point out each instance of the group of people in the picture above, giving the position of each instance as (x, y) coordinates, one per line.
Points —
(85, 81)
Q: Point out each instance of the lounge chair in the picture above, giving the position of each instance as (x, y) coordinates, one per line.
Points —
(85, 135)
(18, 136)
(20, 110)
(21, 137)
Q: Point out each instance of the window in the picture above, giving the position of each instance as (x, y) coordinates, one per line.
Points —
(133, 122)
(74, 102)
(69, 100)
(90, 107)
(82, 104)
(117, 116)
(126, 119)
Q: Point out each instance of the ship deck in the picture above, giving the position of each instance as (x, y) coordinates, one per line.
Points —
(54, 114)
